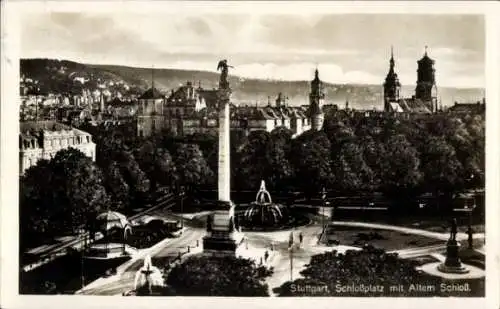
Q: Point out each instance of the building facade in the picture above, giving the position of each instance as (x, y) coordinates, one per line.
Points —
(425, 99)
(43, 139)
(189, 110)
(150, 113)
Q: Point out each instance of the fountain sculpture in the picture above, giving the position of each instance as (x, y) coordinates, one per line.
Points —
(263, 212)
(147, 277)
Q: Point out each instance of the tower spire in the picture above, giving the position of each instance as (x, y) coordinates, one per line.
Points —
(391, 61)
(425, 50)
(153, 77)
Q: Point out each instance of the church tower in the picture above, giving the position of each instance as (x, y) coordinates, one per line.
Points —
(426, 89)
(316, 101)
(392, 86)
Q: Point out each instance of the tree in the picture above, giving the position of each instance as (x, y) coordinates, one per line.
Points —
(310, 157)
(219, 276)
(136, 179)
(351, 173)
(375, 156)
(278, 166)
(79, 183)
(401, 166)
(338, 133)
(116, 186)
(252, 159)
(441, 168)
(35, 204)
(157, 164)
(165, 171)
(192, 168)
(367, 267)
(62, 194)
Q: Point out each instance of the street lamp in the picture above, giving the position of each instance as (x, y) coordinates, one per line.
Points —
(181, 194)
(323, 197)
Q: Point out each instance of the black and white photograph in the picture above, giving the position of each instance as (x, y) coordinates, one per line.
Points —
(251, 153)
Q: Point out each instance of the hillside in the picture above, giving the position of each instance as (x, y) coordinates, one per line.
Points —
(58, 76)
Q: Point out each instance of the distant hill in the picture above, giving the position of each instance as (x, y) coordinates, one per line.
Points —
(55, 75)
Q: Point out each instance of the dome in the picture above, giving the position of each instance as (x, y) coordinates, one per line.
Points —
(426, 60)
(112, 219)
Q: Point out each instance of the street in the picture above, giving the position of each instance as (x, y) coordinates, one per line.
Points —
(257, 243)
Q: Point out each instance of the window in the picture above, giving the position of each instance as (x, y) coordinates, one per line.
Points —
(88, 139)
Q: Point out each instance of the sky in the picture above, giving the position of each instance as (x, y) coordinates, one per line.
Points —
(348, 48)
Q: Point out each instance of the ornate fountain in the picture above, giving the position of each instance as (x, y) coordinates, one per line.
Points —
(263, 213)
(147, 277)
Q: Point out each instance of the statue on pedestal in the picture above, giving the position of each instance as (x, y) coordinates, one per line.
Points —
(452, 263)
(453, 231)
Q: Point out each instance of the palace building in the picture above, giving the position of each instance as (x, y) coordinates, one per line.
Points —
(189, 109)
(425, 99)
(43, 139)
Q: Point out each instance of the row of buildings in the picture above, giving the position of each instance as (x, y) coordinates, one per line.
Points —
(191, 109)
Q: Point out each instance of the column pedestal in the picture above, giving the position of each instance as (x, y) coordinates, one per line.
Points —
(452, 263)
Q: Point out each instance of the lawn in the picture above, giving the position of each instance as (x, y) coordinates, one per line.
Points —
(385, 239)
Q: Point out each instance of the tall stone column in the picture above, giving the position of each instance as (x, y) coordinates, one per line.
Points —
(224, 174)
(222, 237)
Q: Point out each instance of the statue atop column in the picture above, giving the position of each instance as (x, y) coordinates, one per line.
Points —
(223, 66)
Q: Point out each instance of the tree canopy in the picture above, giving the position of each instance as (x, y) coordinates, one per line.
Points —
(219, 276)
(69, 189)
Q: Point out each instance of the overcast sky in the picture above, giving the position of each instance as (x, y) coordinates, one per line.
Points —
(346, 48)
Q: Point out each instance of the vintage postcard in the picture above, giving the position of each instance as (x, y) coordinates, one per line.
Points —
(290, 151)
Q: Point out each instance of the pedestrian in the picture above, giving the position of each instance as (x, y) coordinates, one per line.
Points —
(266, 256)
(470, 239)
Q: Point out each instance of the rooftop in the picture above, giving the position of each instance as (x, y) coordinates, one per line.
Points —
(151, 94)
(47, 125)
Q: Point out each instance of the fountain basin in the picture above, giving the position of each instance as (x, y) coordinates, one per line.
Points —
(263, 214)
(433, 269)
(147, 277)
